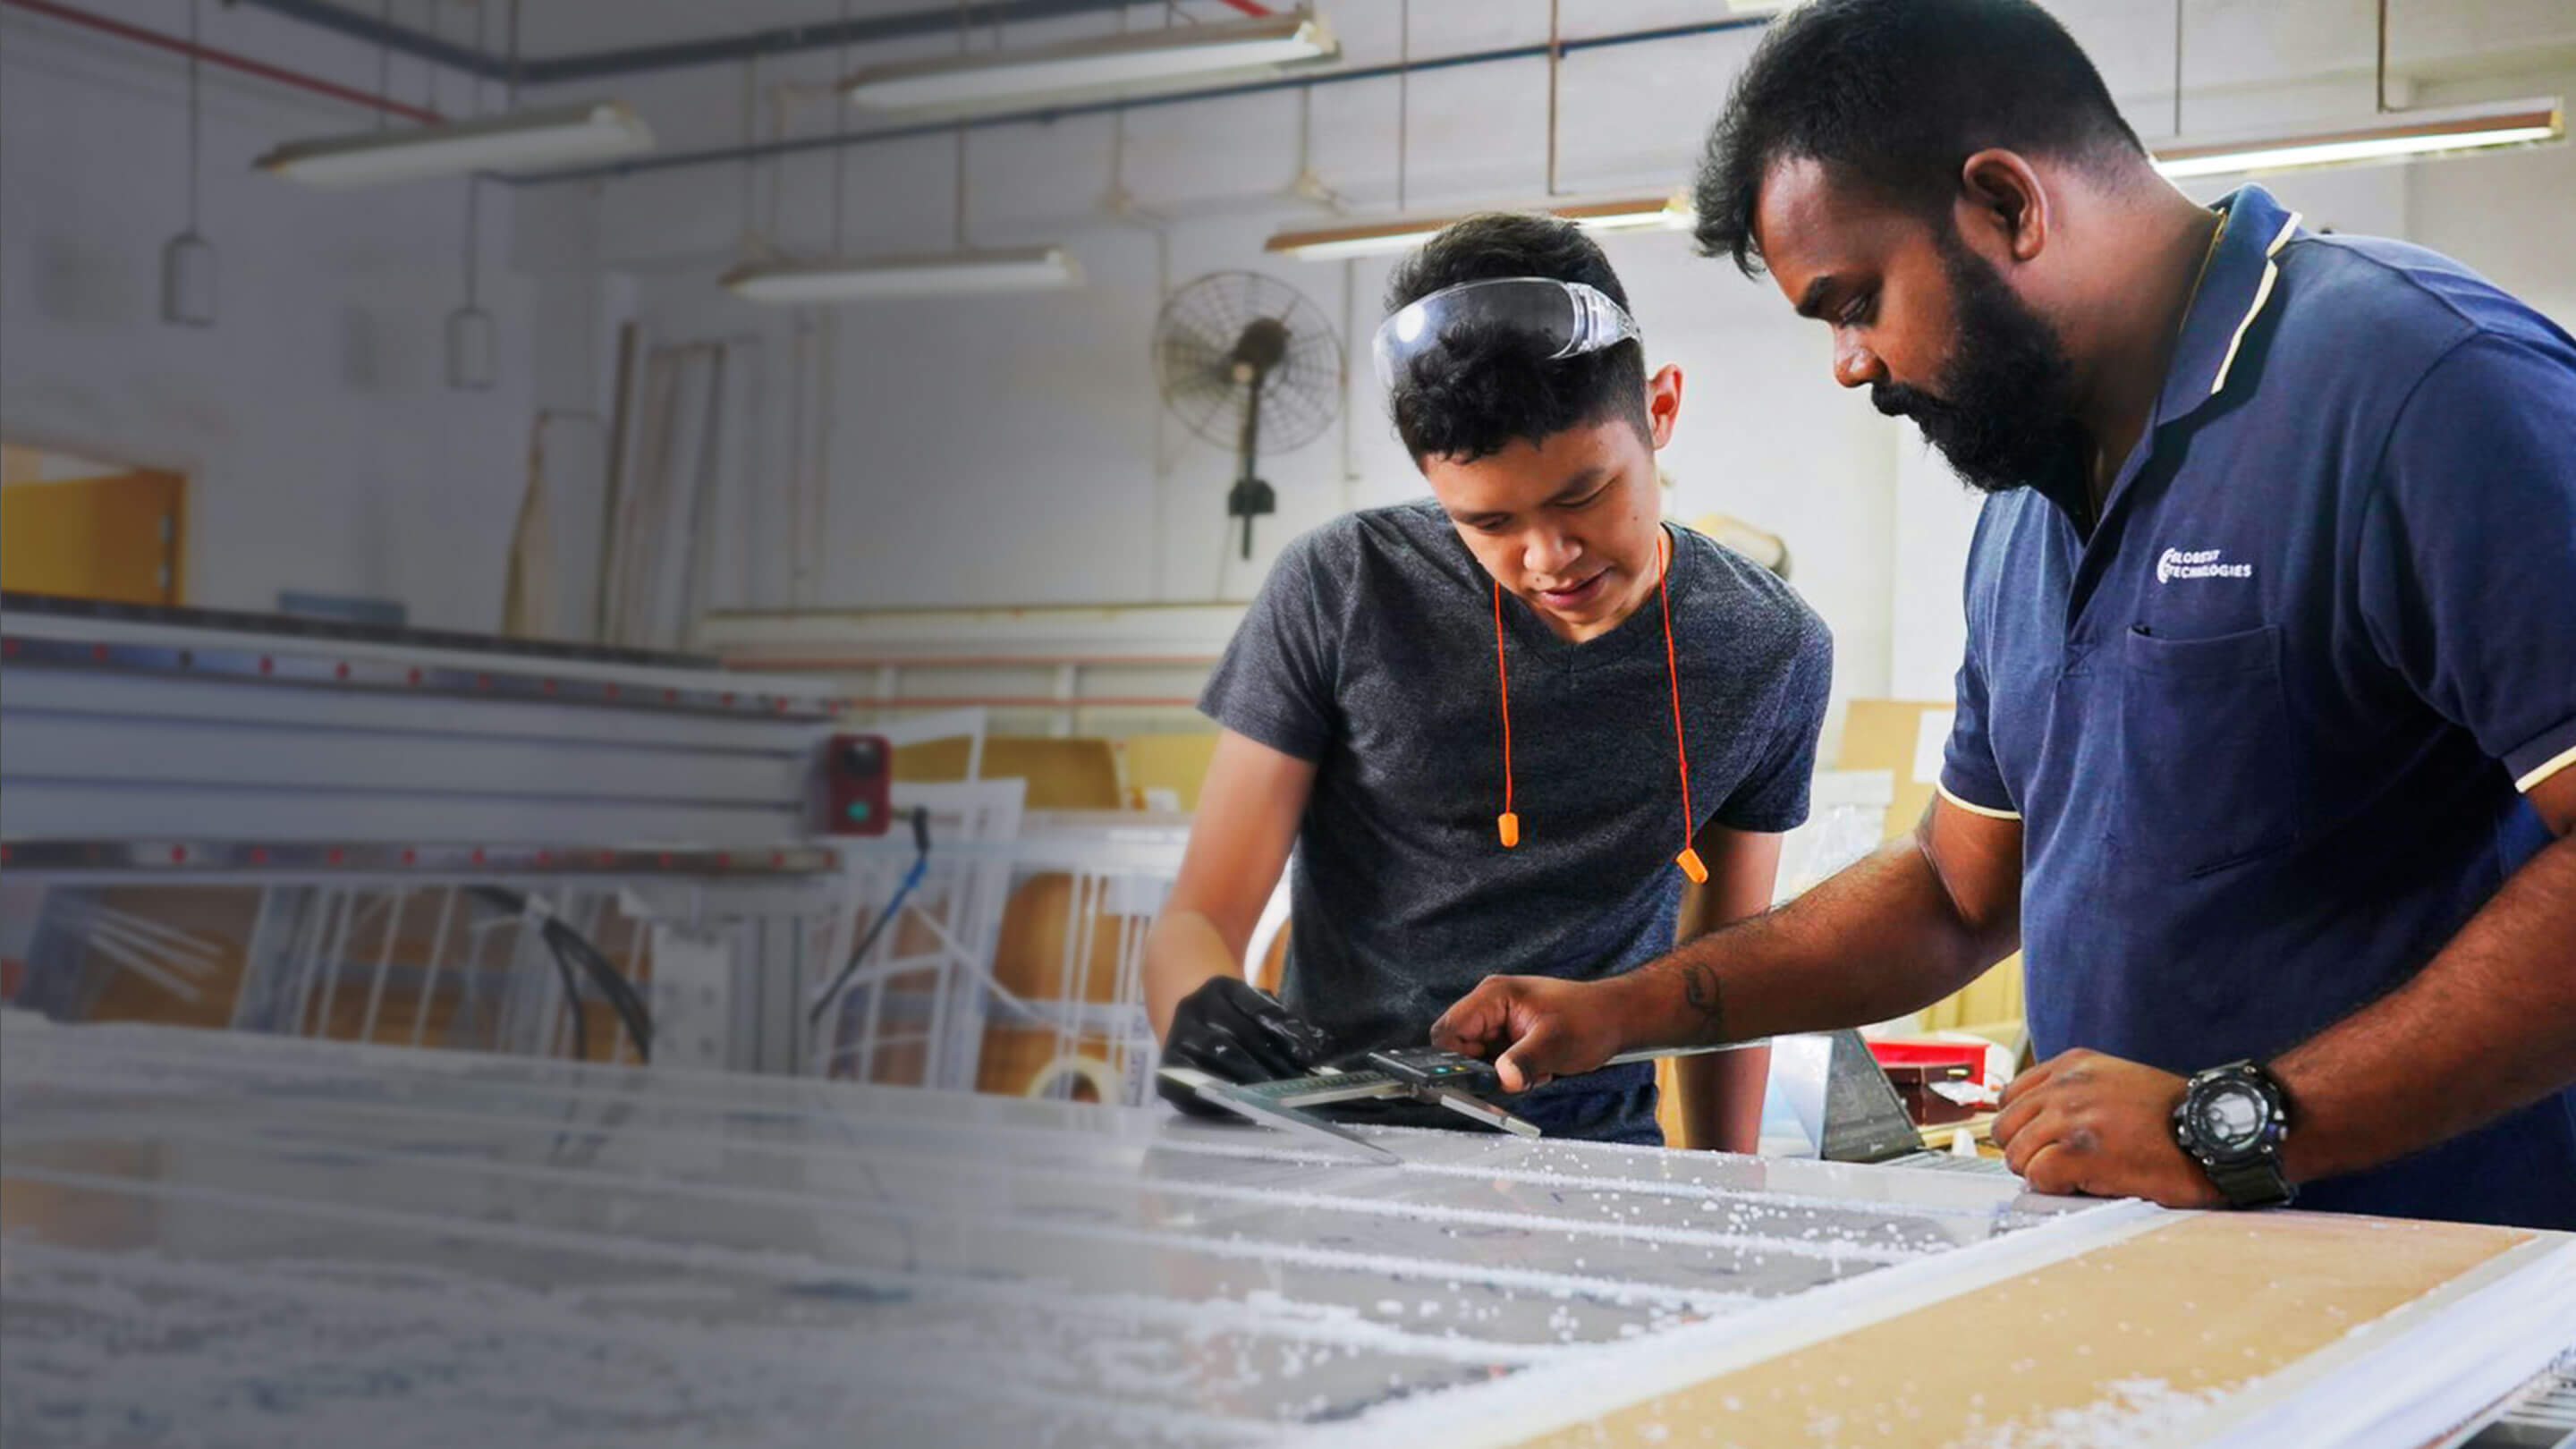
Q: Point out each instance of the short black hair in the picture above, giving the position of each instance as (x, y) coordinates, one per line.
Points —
(1479, 391)
(1897, 93)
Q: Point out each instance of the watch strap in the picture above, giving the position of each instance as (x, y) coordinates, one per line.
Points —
(2255, 1184)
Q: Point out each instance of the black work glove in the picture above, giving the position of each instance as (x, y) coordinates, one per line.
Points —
(1235, 1032)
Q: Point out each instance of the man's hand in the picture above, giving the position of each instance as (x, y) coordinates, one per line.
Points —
(1533, 1028)
(1235, 1032)
(2085, 1122)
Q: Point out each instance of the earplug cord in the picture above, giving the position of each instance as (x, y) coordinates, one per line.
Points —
(1508, 824)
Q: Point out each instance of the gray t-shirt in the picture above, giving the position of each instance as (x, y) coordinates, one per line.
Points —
(1370, 652)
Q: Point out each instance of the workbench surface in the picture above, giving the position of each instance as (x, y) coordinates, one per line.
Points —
(222, 1239)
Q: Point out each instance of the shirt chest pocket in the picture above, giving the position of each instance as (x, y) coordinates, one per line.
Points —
(2209, 767)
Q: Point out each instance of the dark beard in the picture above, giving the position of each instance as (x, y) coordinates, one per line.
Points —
(2001, 416)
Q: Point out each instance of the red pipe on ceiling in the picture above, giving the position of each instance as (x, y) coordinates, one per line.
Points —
(242, 63)
(1251, 7)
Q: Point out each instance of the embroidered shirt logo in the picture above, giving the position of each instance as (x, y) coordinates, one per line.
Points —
(2205, 563)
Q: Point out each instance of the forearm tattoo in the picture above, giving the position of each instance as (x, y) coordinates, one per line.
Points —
(1699, 988)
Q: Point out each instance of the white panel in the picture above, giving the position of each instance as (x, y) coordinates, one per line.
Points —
(692, 1003)
(456, 1248)
(60, 747)
(41, 809)
(79, 693)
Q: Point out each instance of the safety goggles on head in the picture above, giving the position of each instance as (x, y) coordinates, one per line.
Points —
(1560, 319)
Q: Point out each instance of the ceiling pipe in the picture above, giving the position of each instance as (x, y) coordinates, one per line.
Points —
(227, 59)
(736, 155)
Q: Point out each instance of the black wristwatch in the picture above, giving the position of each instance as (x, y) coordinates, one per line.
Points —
(2232, 1121)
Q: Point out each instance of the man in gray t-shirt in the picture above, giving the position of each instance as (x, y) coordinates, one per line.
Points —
(1462, 711)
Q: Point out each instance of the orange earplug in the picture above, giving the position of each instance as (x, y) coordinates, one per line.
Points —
(1510, 825)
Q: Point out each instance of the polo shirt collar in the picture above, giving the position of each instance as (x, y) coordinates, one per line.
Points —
(2243, 270)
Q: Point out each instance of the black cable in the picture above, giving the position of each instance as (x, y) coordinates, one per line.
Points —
(894, 907)
(621, 994)
(570, 949)
(572, 997)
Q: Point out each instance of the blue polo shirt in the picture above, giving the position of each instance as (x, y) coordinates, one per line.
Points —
(2266, 728)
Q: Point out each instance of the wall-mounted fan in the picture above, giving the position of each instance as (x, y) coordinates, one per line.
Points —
(1246, 361)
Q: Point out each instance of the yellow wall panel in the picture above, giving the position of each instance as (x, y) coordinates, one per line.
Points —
(1884, 734)
(1174, 762)
(118, 537)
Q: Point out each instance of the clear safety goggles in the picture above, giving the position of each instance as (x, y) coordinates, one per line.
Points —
(1560, 319)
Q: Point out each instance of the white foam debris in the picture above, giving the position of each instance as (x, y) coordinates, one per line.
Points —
(2134, 1413)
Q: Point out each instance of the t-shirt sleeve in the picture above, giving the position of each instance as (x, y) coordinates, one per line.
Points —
(1969, 774)
(2467, 575)
(1275, 681)
(1773, 797)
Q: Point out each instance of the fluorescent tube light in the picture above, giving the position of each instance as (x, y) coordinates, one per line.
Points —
(1176, 52)
(1029, 269)
(520, 141)
(1649, 213)
(1334, 243)
(2388, 137)
(1660, 213)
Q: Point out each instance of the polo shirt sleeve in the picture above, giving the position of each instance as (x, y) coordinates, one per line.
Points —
(2467, 573)
(1774, 796)
(1969, 775)
(1275, 681)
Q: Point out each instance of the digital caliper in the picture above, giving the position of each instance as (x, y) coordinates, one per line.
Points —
(1413, 1074)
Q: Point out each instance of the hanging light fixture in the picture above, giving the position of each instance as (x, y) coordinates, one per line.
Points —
(2399, 135)
(1024, 269)
(472, 353)
(188, 261)
(513, 141)
(2392, 134)
(1642, 213)
(523, 141)
(965, 269)
(1263, 45)
(1663, 212)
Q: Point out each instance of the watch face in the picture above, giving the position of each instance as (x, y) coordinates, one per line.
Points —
(2231, 1117)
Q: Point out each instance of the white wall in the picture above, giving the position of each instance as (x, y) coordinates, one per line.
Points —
(1004, 449)
(323, 448)
(1935, 516)
(2513, 217)
(1012, 449)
